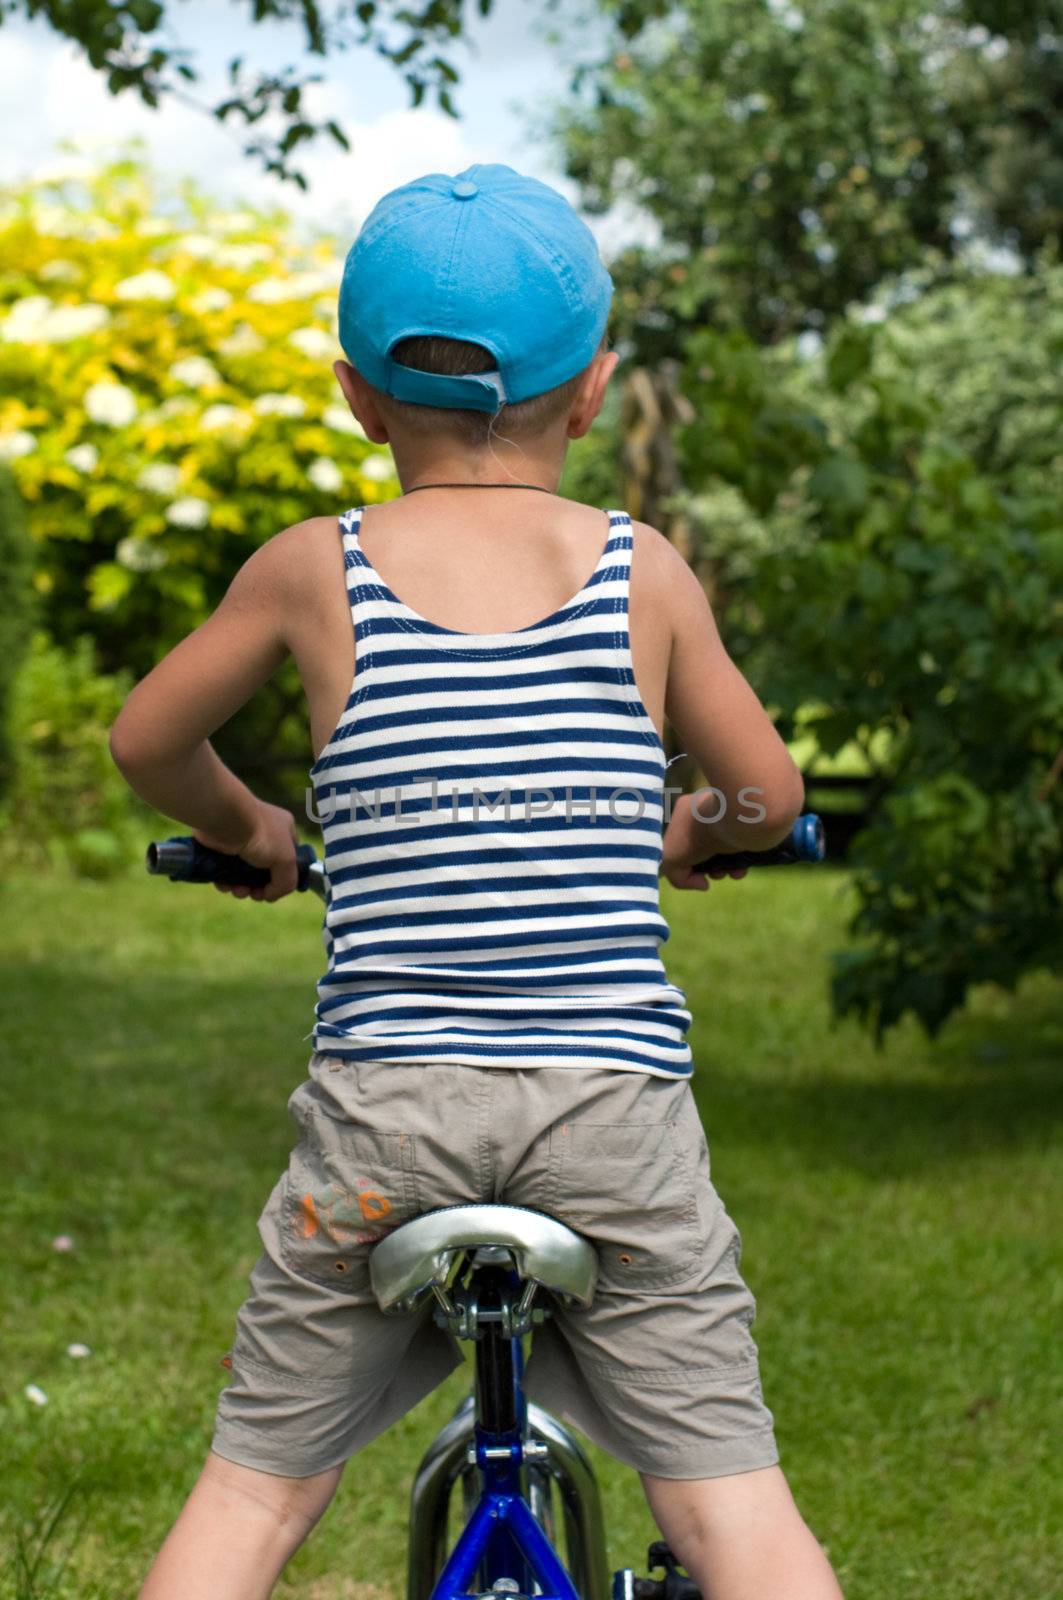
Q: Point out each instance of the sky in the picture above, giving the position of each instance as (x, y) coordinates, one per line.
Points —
(510, 73)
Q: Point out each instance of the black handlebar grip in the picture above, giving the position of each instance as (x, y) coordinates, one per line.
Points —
(186, 860)
(807, 842)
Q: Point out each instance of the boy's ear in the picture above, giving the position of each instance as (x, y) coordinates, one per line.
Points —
(361, 398)
(591, 393)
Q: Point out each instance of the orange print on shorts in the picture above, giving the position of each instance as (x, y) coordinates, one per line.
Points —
(308, 1223)
(373, 1206)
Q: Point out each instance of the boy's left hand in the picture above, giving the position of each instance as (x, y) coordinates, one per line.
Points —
(271, 844)
(687, 878)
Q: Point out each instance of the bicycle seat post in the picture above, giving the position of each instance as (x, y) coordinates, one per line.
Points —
(483, 1265)
(495, 1294)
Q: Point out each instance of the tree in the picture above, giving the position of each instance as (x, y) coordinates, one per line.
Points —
(882, 529)
(792, 157)
(125, 41)
(1011, 126)
(904, 583)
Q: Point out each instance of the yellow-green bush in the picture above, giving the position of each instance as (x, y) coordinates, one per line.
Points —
(16, 604)
(67, 804)
(166, 405)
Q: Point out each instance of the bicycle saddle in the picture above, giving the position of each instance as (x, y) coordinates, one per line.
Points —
(421, 1252)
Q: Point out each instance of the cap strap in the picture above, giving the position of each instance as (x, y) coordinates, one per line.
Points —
(474, 391)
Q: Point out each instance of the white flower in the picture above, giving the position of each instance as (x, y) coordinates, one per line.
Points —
(232, 221)
(325, 475)
(213, 299)
(26, 314)
(313, 342)
(112, 403)
(36, 1394)
(78, 1351)
(149, 285)
(60, 268)
(242, 256)
(159, 477)
(18, 443)
(223, 416)
(200, 245)
(84, 227)
(242, 341)
(49, 218)
(279, 405)
(62, 1242)
(35, 320)
(195, 371)
(139, 555)
(76, 322)
(378, 469)
(83, 456)
(270, 291)
(343, 420)
(175, 406)
(189, 512)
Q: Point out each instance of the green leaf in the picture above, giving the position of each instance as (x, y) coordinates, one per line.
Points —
(849, 357)
(108, 584)
(840, 482)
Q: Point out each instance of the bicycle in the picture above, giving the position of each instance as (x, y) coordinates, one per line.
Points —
(484, 1265)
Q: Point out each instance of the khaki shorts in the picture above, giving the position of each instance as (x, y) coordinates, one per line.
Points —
(661, 1371)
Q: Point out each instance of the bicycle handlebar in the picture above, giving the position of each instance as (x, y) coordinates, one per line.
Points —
(807, 842)
(186, 860)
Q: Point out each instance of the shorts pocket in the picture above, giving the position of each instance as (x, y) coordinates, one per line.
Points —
(347, 1185)
(629, 1187)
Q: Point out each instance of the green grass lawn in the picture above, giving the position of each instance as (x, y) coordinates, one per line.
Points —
(899, 1211)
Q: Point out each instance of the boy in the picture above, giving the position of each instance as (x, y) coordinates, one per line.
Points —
(495, 1022)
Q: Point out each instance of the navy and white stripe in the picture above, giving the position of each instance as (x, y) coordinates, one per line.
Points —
(458, 937)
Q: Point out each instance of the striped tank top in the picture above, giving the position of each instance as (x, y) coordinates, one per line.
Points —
(492, 812)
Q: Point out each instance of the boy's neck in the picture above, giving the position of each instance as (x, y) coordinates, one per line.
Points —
(538, 462)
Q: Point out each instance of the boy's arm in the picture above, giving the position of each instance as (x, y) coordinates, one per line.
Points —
(723, 726)
(160, 740)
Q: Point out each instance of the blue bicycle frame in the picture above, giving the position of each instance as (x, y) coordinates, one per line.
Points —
(502, 1539)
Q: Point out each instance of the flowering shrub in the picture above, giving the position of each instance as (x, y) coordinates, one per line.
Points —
(166, 405)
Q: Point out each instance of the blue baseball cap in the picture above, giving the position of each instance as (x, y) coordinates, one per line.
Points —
(487, 256)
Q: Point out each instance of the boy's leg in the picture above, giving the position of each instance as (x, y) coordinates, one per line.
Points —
(236, 1532)
(741, 1537)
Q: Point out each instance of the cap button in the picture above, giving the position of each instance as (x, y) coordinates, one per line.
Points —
(464, 190)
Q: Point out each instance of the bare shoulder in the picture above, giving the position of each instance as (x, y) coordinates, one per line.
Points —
(661, 572)
(291, 562)
(314, 537)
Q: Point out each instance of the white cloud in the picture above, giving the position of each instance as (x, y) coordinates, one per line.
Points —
(51, 94)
